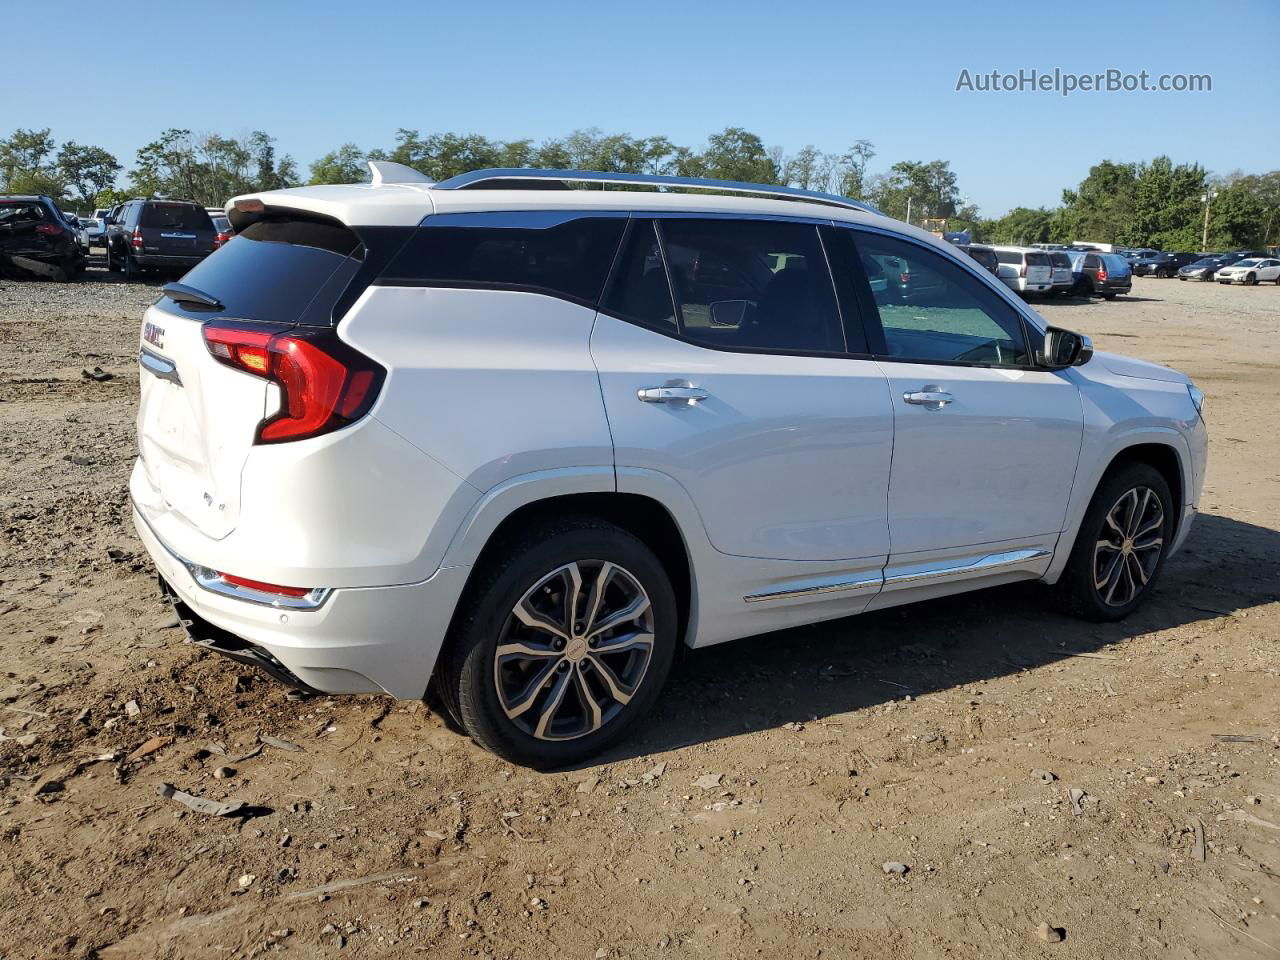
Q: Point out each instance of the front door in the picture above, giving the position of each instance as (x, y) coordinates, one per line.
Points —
(985, 444)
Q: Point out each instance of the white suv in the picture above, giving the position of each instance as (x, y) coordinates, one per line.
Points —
(514, 445)
(1025, 269)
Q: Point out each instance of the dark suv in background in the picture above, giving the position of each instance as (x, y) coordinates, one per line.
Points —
(1100, 274)
(36, 240)
(1163, 264)
(170, 235)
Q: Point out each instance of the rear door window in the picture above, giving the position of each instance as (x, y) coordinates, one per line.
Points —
(752, 284)
(562, 254)
(279, 270)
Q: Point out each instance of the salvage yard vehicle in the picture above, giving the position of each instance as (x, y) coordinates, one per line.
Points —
(1250, 271)
(1163, 264)
(1025, 269)
(1105, 275)
(170, 235)
(510, 443)
(1203, 269)
(1064, 279)
(37, 240)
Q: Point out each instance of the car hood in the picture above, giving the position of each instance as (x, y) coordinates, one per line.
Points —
(1131, 367)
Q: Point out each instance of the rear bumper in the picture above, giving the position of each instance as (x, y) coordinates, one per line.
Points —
(360, 640)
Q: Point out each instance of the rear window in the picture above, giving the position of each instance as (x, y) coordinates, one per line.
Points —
(14, 212)
(279, 270)
(1037, 259)
(1116, 264)
(540, 252)
(176, 216)
(1009, 256)
(1060, 260)
(984, 256)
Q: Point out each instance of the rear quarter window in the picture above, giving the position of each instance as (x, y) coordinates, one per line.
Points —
(535, 251)
(1009, 256)
(1038, 260)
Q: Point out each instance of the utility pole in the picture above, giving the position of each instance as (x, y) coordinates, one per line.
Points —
(908, 208)
(1207, 199)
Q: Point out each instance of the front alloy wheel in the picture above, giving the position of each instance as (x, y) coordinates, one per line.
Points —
(574, 650)
(1127, 554)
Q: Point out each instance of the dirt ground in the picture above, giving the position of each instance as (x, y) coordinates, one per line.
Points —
(914, 736)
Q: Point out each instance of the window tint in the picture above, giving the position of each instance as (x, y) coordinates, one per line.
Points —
(1038, 260)
(1060, 259)
(640, 291)
(754, 284)
(934, 310)
(15, 212)
(175, 216)
(544, 252)
(1009, 256)
(279, 271)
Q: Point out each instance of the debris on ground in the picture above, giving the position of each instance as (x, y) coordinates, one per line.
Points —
(213, 808)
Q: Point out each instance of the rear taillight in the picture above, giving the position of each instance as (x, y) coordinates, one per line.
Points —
(136, 239)
(324, 384)
(904, 278)
(1102, 273)
(221, 239)
(49, 229)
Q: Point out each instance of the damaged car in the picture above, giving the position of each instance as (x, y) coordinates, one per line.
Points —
(36, 240)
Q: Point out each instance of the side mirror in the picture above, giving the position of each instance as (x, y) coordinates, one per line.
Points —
(728, 313)
(1065, 348)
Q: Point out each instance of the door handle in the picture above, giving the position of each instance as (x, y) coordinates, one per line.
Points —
(932, 397)
(672, 393)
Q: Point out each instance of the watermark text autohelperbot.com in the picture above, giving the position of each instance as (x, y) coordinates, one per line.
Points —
(1065, 83)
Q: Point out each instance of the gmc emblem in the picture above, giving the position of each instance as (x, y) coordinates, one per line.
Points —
(153, 334)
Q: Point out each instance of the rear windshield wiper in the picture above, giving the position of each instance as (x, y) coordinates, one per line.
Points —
(181, 293)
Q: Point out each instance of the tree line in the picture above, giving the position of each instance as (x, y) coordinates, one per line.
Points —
(1157, 203)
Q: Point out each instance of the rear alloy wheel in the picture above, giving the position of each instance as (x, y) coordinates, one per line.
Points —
(1121, 545)
(561, 648)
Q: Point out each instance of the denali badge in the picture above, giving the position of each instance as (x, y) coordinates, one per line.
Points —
(154, 334)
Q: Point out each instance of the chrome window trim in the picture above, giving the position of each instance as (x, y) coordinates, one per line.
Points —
(478, 177)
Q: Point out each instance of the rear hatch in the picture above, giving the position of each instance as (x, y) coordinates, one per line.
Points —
(198, 418)
(1061, 264)
(27, 227)
(1039, 270)
(171, 229)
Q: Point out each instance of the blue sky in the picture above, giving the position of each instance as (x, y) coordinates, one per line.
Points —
(318, 73)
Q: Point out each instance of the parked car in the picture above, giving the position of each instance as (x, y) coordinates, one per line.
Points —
(1104, 275)
(1163, 264)
(512, 448)
(1063, 277)
(1203, 269)
(1025, 269)
(984, 254)
(77, 230)
(222, 229)
(94, 229)
(36, 239)
(170, 235)
(1250, 271)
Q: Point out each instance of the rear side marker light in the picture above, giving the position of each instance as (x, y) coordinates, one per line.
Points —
(324, 384)
(262, 587)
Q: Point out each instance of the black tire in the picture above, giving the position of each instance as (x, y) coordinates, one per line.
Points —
(131, 269)
(1250, 279)
(112, 266)
(1078, 586)
(469, 673)
(1109, 296)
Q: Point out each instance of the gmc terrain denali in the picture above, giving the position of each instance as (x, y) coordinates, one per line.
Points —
(516, 442)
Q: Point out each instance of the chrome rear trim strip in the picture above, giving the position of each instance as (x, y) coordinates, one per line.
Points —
(158, 366)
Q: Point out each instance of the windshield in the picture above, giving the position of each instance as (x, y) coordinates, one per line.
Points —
(1248, 263)
(1205, 263)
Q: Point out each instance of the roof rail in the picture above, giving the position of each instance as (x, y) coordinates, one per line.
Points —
(495, 177)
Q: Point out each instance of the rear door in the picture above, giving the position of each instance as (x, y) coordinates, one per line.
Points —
(985, 444)
(1039, 267)
(743, 391)
(198, 418)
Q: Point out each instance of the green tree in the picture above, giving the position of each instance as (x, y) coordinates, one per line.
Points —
(344, 165)
(86, 170)
(732, 154)
(924, 189)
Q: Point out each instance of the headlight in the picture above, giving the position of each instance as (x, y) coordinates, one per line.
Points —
(1197, 397)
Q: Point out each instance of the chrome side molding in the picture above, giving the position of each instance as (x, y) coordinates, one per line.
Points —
(814, 589)
(991, 563)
